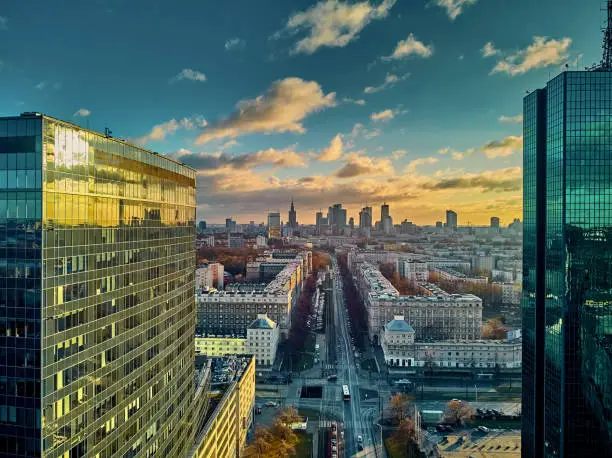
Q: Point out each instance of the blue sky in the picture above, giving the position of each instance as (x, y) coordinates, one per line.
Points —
(268, 99)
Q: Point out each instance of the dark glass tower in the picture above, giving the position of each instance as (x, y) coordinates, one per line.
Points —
(97, 313)
(567, 267)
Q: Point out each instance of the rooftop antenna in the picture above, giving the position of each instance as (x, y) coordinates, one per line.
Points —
(606, 62)
(108, 133)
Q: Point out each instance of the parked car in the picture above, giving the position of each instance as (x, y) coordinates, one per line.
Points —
(271, 404)
(483, 429)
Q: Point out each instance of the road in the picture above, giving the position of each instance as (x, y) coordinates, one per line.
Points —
(356, 422)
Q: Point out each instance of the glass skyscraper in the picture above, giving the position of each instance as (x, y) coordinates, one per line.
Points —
(567, 267)
(97, 312)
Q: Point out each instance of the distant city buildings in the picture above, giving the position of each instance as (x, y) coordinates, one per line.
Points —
(235, 240)
(274, 225)
(293, 224)
(230, 225)
(261, 241)
(494, 222)
(201, 226)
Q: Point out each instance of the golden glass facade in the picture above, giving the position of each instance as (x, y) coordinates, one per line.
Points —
(107, 294)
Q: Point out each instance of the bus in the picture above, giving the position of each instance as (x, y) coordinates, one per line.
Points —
(345, 393)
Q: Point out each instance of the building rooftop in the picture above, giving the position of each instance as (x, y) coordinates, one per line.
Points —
(262, 322)
(398, 324)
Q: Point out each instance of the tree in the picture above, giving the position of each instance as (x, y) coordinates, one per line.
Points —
(276, 441)
(289, 415)
(459, 412)
(399, 408)
(493, 329)
(402, 441)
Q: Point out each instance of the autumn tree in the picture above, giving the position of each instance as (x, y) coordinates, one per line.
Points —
(459, 412)
(402, 442)
(276, 441)
(493, 329)
(399, 408)
(289, 415)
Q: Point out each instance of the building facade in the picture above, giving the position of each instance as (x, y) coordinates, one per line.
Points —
(274, 226)
(209, 275)
(235, 240)
(220, 346)
(567, 319)
(262, 340)
(413, 270)
(96, 284)
(451, 219)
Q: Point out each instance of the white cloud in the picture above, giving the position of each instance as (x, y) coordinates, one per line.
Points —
(540, 54)
(398, 154)
(334, 151)
(503, 148)
(489, 50)
(333, 23)
(454, 7)
(161, 131)
(3, 23)
(229, 144)
(412, 165)
(358, 165)
(189, 74)
(410, 47)
(369, 134)
(461, 57)
(282, 109)
(235, 43)
(220, 163)
(511, 119)
(383, 116)
(390, 81)
(457, 155)
(355, 101)
(82, 112)
(40, 86)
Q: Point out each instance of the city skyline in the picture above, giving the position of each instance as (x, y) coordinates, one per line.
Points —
(334, 109)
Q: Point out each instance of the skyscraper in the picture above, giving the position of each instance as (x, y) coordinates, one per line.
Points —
(274, 225)
(567, 254)
(336, 218)
(365, 218)
(451, 219)
(292, 217)
(96, 294)
(384, 212)
(494, 222)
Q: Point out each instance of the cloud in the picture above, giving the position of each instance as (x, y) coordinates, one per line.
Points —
(235, 43)
(508, 179)
(390, 81)
(360, 129)
(364, 165)
(82, 112)
(398, 154)
(40, 86)
(228, 144)
(188, 74)
(334, 151)
(355, 101)
(3, 23)
(502, 148)
(512, 119)
(220, 163)
(461, 57)
(383, 116)
(410, 47)
(282, 109)
(540, 54)
(489, 50)
(412, 165)
(160, 131)
(454, 7)
(333, 23)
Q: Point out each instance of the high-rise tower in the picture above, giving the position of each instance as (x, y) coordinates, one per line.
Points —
(292, 217)
(97, 309)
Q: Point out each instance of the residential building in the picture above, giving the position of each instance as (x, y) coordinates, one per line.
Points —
(567, 375)
(401, 350)
(274, 225)
(261, 241)
(449, 275)
(413, 270)
(209, 275)
(220, 346)
(451, 219)
(225, 428)
(235, 240)
(483, 263)
(511, 292)
(435, 315)
(262, 340)
(97, 294)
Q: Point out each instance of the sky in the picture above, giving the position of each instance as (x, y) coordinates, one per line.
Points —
(416, 103)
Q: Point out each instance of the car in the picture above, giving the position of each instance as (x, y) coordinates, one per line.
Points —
(271, 404)
(483, 429)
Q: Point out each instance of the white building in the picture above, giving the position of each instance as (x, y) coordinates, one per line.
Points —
(511, 292)
(262, 339)
(454, 276)
(209, 275)
(401, 350)
(413, 270)
(235, 240)
(261, 241)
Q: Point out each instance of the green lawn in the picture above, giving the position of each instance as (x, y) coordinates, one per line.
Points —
(303, 448)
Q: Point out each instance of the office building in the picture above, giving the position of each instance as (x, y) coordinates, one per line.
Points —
(274, 225)
(202, 226)
(209, 275)
(439, 224)
(365, 218)
(451, 219)
(567, 318)
(336, 219)
(224, 428)
(235, 240)
(230, 225)
(494, 222)
(351, 223)
(96, 288)
(262, 340)
(384, 212)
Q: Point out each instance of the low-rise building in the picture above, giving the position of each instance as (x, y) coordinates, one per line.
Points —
(235, 240)
(511, 292)
(220, 346)
(413, 270)
(209, 275)
(454, 276)
(401, 350)
(224, 430)
(261, 241)
(262, 340)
